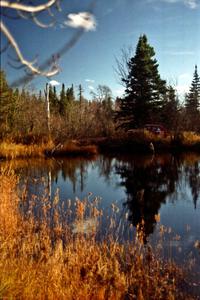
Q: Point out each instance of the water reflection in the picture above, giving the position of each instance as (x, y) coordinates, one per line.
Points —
(143, 184)
(193, 174)
(148, 182)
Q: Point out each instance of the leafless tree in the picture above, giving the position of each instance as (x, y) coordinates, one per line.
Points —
(27, 10)
(121, 68)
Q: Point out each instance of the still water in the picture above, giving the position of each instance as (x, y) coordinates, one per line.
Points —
(140, 186)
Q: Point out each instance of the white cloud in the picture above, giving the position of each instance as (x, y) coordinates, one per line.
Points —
(89, 80)
(183, 83)
(191, 3)
(54, 82)
(90, 87)
(182, 89)
(83, 20)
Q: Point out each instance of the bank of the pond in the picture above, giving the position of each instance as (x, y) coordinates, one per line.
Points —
(134, 142)
(71, 148)
(144, 142)
(42, 260)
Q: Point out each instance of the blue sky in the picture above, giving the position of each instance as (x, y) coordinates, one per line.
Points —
(172, 28)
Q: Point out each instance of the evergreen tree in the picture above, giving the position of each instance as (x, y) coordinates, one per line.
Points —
(63, 101)
(6, 105)
(170, 109)
(145, 91)
(193, 102)
(80, 94)
(53, 98)
(70, 94)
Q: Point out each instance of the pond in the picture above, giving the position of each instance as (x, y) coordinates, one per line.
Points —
(152, 190)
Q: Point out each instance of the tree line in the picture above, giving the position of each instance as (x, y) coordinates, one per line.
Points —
(147, 99)
(23, 115)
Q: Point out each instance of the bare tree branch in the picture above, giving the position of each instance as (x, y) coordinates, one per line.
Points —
(28, 64)
(30, 12)
(67, 46)
(41, 24)
(121, 68)
(50, 12)
(16, 67)
(23, 15)
(27, 8)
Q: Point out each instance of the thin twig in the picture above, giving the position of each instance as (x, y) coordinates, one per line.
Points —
(27, 8)
(28, 64)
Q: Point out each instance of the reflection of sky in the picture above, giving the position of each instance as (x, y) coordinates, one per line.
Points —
(94, 183)
(179, 214)
(179, 209)
(99, 177)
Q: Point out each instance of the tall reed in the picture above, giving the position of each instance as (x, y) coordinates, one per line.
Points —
(55, 254)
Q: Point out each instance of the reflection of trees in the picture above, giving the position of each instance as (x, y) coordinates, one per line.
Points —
(193, 173)
(148, 182)
(35, 173)
(105, 167)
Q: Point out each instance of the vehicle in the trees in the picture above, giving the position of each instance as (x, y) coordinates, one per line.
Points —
(157, 129)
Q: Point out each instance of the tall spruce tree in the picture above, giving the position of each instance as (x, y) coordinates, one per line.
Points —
(70, 94)
(7, 106)
(63, 101)
(53, 99)
(193, 102)
(145, 90)
(80, 94)
(170, 109)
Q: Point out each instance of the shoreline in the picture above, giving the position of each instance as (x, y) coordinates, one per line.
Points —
(137, 144)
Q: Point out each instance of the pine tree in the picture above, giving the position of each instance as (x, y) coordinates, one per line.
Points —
(70, 94)
(63, 101)
(6, 105)
(80, 94)
(193, 102)
(170, 109)
(53, 99)
(145, 90)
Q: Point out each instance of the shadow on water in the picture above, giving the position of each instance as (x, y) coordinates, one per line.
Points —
(146, 191)
(148, 181)
(142, 184)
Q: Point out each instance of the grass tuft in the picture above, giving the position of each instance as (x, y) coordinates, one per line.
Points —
(43, 257)
(12, 150)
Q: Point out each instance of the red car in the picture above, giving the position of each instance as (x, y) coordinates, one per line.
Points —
(156, 129)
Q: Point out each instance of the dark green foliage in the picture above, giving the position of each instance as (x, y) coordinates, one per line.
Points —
(80, 94)
(70, 94)
(63, 101)
(170, 110)
(193, 103)
(145, 91)
(193, 97)
(53, 99)
(8, 102)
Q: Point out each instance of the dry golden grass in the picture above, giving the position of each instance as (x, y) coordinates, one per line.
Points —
(190, 138)
(74, 148)
(12, 150)
(39, 261)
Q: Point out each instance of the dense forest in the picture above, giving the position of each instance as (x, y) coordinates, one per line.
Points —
(147, 99)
